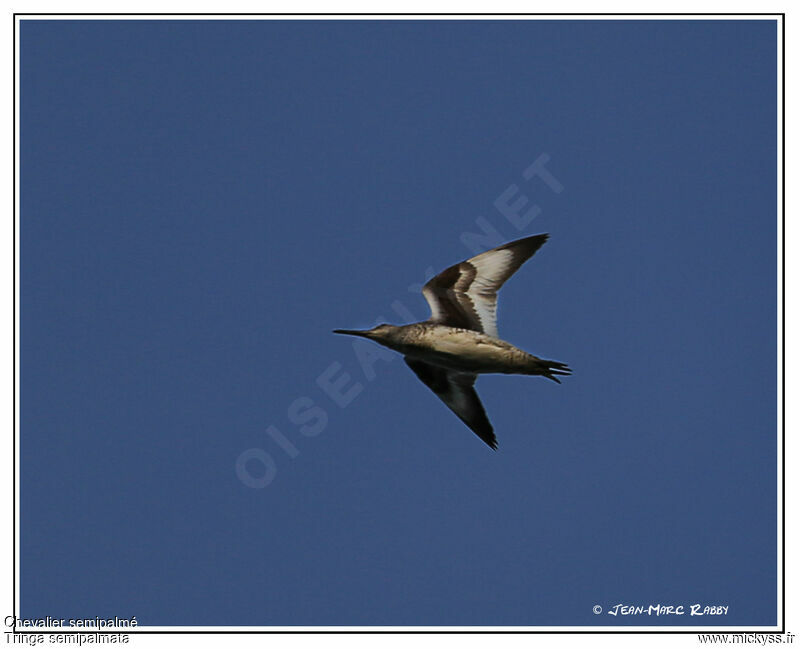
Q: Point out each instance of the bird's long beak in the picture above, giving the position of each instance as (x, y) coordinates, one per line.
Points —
(352, 332)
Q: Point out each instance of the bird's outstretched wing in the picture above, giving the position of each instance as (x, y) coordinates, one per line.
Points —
(465, 295)
(457, 391)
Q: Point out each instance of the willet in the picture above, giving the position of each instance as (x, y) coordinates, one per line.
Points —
(460, 340)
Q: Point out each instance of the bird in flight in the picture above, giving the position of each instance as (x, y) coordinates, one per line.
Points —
(460, 339)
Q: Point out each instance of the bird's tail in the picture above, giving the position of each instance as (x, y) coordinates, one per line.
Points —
(549, 369)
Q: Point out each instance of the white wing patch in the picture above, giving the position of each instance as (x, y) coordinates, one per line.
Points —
(492, 269)
(465, 295)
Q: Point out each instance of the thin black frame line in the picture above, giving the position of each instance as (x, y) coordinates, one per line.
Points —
(403, 14)
(711, 631)
(782, 630)
(783, 319)
(14, 325)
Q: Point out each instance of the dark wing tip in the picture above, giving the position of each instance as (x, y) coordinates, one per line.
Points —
(529, 244)
(483, 429)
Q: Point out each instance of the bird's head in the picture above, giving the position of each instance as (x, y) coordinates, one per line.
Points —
(381, 333)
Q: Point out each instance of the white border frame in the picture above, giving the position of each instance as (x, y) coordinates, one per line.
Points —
(406, 629)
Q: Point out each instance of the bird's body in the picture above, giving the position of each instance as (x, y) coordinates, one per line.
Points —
(460, 339)
(461, 350)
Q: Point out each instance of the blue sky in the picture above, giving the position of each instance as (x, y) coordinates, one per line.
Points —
(202, 202)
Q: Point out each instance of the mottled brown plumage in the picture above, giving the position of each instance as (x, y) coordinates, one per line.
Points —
(460, 339)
